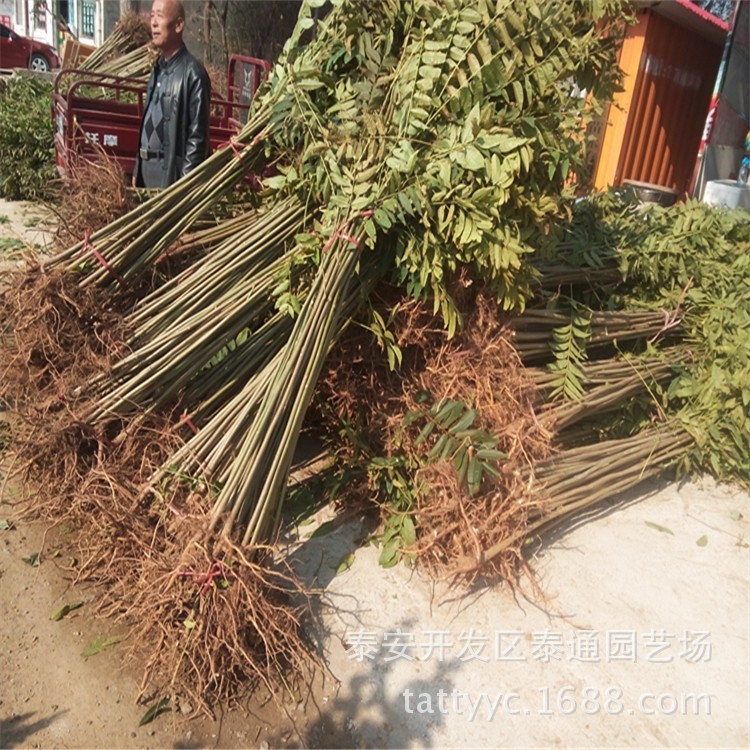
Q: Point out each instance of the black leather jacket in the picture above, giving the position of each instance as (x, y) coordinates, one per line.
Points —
(186, 101)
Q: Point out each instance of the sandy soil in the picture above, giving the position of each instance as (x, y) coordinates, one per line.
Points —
(640, 639)
(53, 696)
(27, 223)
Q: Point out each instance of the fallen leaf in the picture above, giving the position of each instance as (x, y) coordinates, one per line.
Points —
(346, 563)
(100, 644)
(32, 560)
(703, 541)
(156, 710)
(5, 524)
(659, 527)
(735, 515)
(66, 609)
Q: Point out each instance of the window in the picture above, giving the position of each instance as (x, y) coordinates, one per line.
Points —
(88, 18)
(40, 14)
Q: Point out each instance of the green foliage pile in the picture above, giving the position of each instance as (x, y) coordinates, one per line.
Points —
(645, 373)
(27, 156)
(691, 261)
(457, 125)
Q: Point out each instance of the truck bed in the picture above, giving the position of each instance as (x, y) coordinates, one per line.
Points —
(96, 113)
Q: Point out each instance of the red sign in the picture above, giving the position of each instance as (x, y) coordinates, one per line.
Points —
(5, 20)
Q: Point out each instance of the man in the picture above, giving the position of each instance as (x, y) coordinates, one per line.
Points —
(174, 130)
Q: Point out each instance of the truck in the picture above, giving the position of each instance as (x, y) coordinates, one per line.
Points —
(98, 113)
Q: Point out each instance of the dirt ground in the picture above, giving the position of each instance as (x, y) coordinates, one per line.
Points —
(53, 696)
(640, 637)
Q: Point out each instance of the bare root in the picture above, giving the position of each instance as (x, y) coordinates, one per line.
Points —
(479, 367)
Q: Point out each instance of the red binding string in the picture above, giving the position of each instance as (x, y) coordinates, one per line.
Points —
(232, 143)
(88, 246)
(235, 151)
(204, 580)
(115, 344)
(185, 419)
(339, 233)
(672, 320)
(63, 400)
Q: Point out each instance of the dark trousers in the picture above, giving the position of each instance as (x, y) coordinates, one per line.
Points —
(154, 173)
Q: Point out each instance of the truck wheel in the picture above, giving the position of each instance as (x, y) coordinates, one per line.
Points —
(39, 63)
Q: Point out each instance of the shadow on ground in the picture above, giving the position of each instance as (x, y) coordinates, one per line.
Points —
(15, 731)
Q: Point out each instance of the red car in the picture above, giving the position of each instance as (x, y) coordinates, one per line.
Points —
(18, 51)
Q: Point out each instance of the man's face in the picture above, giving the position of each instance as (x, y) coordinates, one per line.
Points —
(166, 27)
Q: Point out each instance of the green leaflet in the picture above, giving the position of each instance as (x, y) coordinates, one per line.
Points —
(101, 643)
(157, 709)
(691, 263)
(569, 349)
(450, 426)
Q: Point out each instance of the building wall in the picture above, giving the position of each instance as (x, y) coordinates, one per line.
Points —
(7, 11)
(40, 26)
(654, 126)
(110, 15)
(670, 101)
(82, 16)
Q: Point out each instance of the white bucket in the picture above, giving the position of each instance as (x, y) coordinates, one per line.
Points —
(727, 193)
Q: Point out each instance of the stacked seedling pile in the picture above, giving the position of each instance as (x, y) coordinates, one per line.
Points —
(413, 139)
(134, 64)
(424, 154)
(641, 371)
(125, 52)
